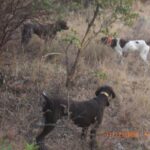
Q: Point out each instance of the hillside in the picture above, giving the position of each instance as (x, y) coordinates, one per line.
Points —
(27, 74)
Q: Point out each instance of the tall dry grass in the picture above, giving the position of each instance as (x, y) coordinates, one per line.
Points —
(27, 75)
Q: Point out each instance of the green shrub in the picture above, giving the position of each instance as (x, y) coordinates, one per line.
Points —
(101, 75)
(31, 147)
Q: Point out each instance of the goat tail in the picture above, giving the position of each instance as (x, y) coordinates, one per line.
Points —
(48, 103)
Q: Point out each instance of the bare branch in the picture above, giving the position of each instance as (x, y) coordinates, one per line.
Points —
(73, 69)
(12, 15)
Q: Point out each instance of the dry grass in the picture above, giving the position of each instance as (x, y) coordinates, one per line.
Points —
(26, 76)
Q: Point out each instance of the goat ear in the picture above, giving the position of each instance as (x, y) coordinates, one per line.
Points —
(114, 43)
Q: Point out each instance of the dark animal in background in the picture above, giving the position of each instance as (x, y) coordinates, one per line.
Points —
(44, 31)
(123, 46)
(82, 113)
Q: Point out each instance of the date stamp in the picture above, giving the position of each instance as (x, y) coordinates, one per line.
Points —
(126, 134)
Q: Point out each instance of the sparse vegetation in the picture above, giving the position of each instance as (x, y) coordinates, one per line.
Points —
(5, 145)
(24, 74)
(101, 75)
(31, 147)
